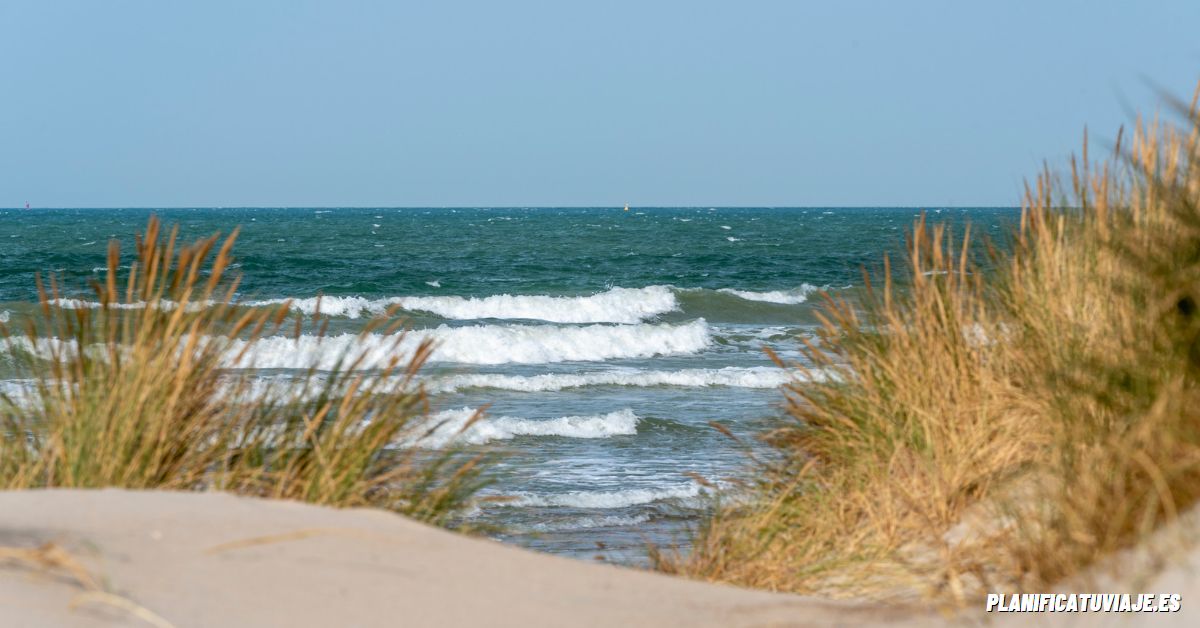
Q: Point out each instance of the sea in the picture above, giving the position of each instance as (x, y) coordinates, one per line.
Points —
(603, 343)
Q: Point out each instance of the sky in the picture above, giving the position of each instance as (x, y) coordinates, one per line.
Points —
(517, 103)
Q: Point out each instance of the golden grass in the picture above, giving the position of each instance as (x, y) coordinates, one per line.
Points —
(137, 393)
(995, 426)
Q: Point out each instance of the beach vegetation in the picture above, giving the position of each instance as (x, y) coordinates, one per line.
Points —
(1008, 425)
(137, 392)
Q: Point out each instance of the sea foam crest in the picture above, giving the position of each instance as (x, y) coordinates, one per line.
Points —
(484, 344)
(608, 499)
(164, 304)
(782, 297)
(586, 523)
(732, 376)
(616, 305)
(476, 344)
(42, 347)
(22, 393)
(450, 426)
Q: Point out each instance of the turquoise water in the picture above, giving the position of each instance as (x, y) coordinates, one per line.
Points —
(604, 341)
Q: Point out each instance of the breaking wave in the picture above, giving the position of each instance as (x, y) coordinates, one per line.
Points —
(782, 297)
(616, 305)
(587, 523)
(166, 304)
(450, 426)
(609, 499)
(731, 376)
(484, 344)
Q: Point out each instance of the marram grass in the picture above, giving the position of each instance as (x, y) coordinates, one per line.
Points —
(1005, 428)
(137, 393)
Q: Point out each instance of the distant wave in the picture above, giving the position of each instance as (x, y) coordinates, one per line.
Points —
(783, 297)
(609, 499)
(759, 377)
(450, 424)
(486, 344)
(166, 304)
(752, 377)
(285, 387)
(476, 344)
(587, 523)
(616, 305)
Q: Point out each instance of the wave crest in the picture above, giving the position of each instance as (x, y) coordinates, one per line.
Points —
(450, 423)
(731, 376)
(782, 297)
(616, 305)
(484, 344)
(609, 499)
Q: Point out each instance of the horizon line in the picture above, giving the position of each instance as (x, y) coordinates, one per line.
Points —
(617, 207)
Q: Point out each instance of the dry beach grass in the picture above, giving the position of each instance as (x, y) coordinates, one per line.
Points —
(996, 428)
(136, 393)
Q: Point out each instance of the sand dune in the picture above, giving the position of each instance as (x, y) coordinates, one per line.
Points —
(212, 559)
(201, 559)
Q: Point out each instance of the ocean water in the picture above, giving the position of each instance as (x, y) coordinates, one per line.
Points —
(604, 342)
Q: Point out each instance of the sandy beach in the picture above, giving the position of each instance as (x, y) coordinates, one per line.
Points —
(212, 559)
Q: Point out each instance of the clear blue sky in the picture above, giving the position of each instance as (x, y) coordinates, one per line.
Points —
(283, 103)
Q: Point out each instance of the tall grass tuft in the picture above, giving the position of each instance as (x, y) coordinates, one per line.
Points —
(138, 392)
(993, 426)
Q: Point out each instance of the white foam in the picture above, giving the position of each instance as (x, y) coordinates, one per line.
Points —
(42, 347)
(450, 425)
(783, 297)
(484, 344)
(434, 284)
(164, 304)
(4, 316)
(348, 307)
(20, 392)
(608, 499)
(616, 305)
(477, 344)
(587, 523)
(286, 387)
(737, 377)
